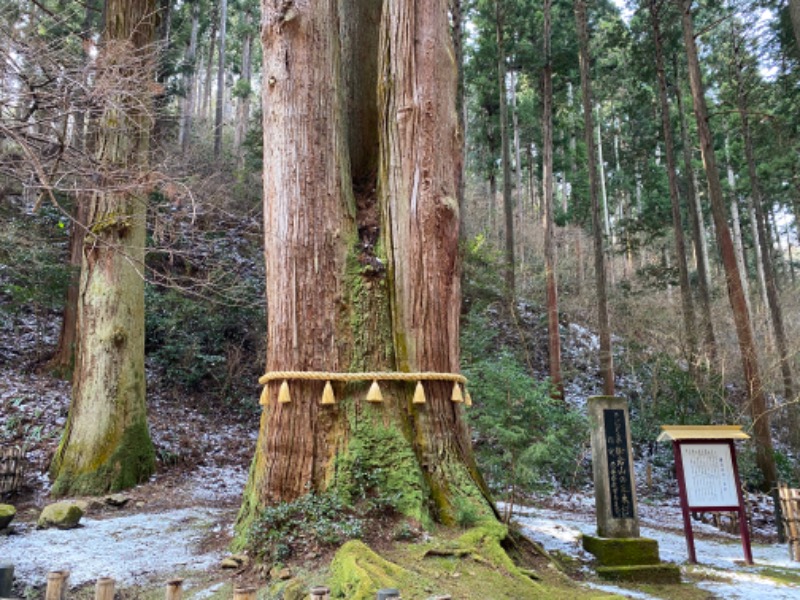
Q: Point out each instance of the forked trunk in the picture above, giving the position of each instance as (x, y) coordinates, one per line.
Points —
(362, 256)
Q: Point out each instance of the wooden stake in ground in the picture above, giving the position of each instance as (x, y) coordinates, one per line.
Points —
(104, 589)
(174, 589)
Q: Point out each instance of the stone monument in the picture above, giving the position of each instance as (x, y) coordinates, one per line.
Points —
(622, 554)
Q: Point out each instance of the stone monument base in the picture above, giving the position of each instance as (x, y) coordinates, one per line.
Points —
(630, 559)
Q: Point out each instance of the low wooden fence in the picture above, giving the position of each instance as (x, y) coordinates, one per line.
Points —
(790, 508)
(58, 583)
(11, 461)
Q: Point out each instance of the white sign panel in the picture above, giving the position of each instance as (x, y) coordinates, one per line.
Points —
(708, 473)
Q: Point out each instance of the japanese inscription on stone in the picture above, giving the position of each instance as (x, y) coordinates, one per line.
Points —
(619, 469)
(709, 477)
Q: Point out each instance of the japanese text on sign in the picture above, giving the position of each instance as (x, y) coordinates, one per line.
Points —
(619, 469)
(709, 477)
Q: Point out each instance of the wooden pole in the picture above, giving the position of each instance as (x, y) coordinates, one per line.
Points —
(174, 589)
(319, 592)
(55, 585)
(6, 579)
(244, 593)
(104, 589)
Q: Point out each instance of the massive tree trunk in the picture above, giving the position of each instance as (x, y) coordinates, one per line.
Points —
(106, 444)
(757, 400)
(604, 329)
(362, 255)
(687, 303)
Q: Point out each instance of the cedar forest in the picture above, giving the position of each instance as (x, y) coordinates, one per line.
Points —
(554, 199)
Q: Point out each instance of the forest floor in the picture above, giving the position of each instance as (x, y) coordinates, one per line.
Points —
(180, 522)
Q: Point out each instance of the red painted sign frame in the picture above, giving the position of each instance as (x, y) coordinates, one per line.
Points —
(686, 509)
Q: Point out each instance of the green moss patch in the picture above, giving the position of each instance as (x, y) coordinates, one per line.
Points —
(63, 515)
(612, 552)
(665, 573)
(7, 514)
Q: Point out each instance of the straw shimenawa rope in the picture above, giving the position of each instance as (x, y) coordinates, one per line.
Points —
(374, 394)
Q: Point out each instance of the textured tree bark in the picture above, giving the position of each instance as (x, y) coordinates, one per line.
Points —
(362, 256)
(554, 338)
(187, 114)
(64, 359)
(687, 303)
(794, 14)
(508, 201)
(698, 233)
(763, 238)
(220, 108)
(755, 391)
(604, 328)
(243, 102)
(106, 444)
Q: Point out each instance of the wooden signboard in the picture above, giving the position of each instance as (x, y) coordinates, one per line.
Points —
(708, 477)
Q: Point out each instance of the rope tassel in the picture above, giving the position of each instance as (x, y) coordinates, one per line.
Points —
(457, 396)
(467, 398)
(327, 394)
(283, 393)
(264, 400)
(419, 394)
(374, 394)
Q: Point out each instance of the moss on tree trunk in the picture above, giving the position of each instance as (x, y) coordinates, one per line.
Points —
(362, 257)
(106, 444)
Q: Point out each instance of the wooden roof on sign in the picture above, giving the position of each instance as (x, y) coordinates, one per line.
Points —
(702, 432)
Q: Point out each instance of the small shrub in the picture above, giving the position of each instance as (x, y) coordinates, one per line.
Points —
(315, 520)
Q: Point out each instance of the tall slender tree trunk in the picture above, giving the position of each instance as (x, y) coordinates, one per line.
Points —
(185, 128)
(794, 15)
(698, 231)
(755, 391)
(551, 283)
(362, 266)
(687, 304)
(63, 360)
(243, 101)
(508, 201)
(736, 222)
(763, 238)
(606, 357)
(106, 444)
(220, 112)
(205, 108)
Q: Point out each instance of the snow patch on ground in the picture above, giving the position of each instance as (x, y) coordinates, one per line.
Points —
(721, 559)
(134, 549)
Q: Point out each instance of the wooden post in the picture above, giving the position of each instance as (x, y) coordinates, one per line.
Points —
(6, 580)
(104, 589)
(174, 589)
(687, 521)
(244, 593)
(790, 502)
(319, 592)
(56, 585)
